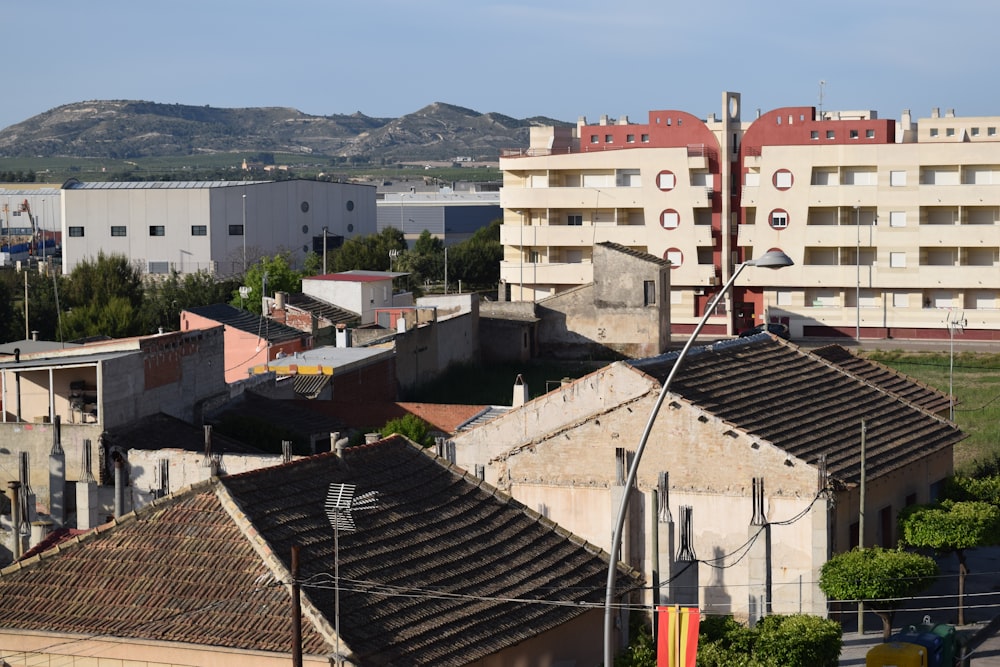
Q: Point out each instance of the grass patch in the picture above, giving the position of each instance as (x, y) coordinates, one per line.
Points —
(977, 393)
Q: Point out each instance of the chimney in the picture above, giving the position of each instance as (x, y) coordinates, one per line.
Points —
(119, 484)
(339, 446)
(279, 300)
(15, 518)
(343, 336)
(86, 492)
(39, 531)
(520, 392)
(57, 476)
(286, 451)
(34, 334)
(207, 461)
(372, 437)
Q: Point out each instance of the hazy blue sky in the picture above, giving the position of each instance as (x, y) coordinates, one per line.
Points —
(517, 57)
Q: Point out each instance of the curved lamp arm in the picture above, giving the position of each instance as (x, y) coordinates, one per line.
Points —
(773, 259)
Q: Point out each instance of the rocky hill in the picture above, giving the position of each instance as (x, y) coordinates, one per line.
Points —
(124, 129)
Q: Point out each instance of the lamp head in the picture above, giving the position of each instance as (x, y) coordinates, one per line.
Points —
(772, 259)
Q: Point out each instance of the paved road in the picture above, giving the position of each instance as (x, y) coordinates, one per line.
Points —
(940, 602)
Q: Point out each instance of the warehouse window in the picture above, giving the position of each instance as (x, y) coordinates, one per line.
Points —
(236, 230)
(118, 230)
(199, 230)
(76, 231)
(157, 230)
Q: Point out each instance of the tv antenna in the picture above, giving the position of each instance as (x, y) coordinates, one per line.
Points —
(822, 84)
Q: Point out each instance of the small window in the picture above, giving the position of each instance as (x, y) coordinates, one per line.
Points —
(304, 206)
(666, 180)
(159, 267)
(350, 205)
(830, 134)
(670, 219)
(574, 220)
(897, 218)
(934, 131)
(897, 178)
(236, 230)
(814, 135)
(118, 230)
(609, 139)
(854, 134)
(76, 232)
(157, 230)
(199, 230)
(991, 131)
(645, 138)
(648, 292)
(779, 219)
(950, 132)
(974, 131)
(630, 138)
(900, 300)
(869, 134)
(897, 260)
(594, 139)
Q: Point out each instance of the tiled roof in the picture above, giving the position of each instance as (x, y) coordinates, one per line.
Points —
(442, 417)
(928, 398)
(322, 309)
(632, 252)
(246, 321)
(445, 570)
(774, 390)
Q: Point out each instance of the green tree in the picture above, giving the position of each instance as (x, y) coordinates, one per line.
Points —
(264, 278)
(952, 527)
(165, 298)
(798, 640)
(476, 262)
(412, 426)
(97, 281)
(370, 253)
(878, 577)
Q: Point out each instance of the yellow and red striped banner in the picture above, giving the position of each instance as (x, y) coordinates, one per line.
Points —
(677, 636)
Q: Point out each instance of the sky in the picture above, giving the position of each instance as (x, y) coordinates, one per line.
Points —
(522, 58)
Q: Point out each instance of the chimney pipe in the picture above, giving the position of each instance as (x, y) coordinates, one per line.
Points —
(119, 485)
(207, 462)
(57, 476)
(15, 518)
(34, 334)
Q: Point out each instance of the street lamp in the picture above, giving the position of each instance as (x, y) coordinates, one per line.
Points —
(244, 234)
(772, 259)
(324, 250)
(953, 323)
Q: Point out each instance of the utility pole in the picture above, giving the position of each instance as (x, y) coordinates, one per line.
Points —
(861, 522)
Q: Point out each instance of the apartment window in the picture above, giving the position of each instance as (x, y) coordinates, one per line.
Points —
(783, 297)
(779, 219)
(854, 134)
(648, 292)
(666, 180)
(934, 131)
(594, 139)
(118, 230)
(782, 179)
(533, 257)
(830, 134)
(897, 178)
(236, 230)
(76, 232)
(630, 138)
(991, 131)
(897, 260)
(609, 139)
(974, 131)
(814, 135)
(157, 230)
(900, 300)
(670, 219)
(897, 218)
(645, 138)
(674, 256)
(950, 132)
(869, 134)
(199, 230)
(574, 220)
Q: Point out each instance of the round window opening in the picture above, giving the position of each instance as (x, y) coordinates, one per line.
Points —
(305, 229)
(782, 180)
(670, 219)
(305, 249)
(666, 180)
(674, 256)
(350, 205)
(305, 207)
(778, 218)
(350, 228)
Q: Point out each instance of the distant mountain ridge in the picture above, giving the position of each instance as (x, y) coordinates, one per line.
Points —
(129, 129)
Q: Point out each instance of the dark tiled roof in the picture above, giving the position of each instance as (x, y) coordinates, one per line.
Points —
(442, 417)
(244, 320)
(905, 387)
(446, 570)
(774, 390)
(323, 310)
(435, 567)
(638, 254)
(291, 415)
(161, 431)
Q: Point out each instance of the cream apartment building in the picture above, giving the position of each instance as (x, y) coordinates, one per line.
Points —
(894, 226)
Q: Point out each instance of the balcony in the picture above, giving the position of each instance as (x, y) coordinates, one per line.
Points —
(519, 273)
(571, 236)
(607, 197)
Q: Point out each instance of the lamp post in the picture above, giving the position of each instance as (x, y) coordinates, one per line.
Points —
(244, 234)
(772, 259)
(953, 323)
(857, 261)
(324, 251)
